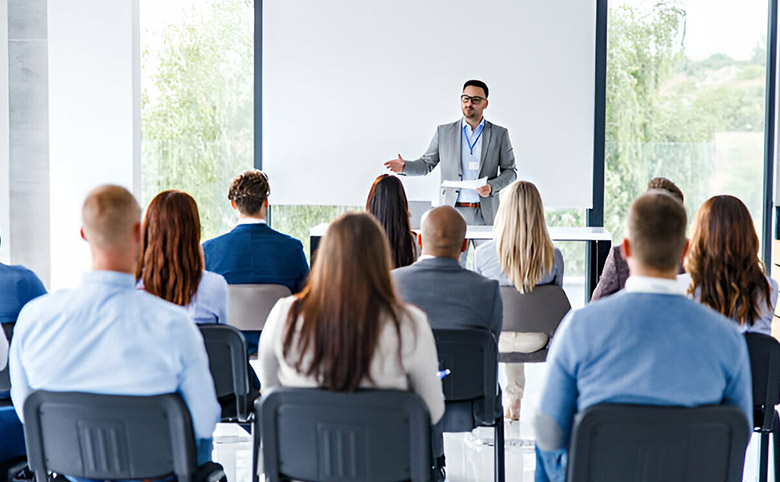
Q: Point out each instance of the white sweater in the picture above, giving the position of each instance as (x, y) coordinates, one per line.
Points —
(417, 371)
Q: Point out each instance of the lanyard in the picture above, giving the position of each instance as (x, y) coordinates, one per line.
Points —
(479, 134)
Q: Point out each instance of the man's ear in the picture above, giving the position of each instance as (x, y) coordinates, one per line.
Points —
(137, 232)
(464, 246)
(625, 248)
(686, 248)
(265, 203)
(233, 204)
(419, 240)
(83, 236)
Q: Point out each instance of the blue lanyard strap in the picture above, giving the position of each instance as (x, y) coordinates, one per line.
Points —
(479, 134)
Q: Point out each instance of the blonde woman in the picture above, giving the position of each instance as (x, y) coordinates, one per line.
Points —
(522, 255)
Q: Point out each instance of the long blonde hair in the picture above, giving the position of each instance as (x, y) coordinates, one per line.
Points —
(525, 250)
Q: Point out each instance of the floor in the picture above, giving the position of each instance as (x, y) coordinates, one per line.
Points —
(469, 456)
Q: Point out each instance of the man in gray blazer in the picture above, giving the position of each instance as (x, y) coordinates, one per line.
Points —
(451, 296)
(470, 148)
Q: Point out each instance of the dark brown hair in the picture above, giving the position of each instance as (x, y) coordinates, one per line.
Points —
(171, 261)
(387, 202)
(249, 190)
(666, 185)
(656, 230)
(338, 316)
(723, 261)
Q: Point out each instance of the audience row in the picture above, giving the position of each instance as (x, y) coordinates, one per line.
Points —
(364, 315)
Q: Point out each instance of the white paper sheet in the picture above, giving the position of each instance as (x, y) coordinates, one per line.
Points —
(477, 183)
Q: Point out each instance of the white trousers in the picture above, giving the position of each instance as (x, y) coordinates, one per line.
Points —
(509, 342)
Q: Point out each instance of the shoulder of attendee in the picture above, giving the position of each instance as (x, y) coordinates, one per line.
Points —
(212, 279)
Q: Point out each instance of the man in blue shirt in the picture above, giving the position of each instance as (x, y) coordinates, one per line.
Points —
(641, 345)
(109, 337)
(253, 253)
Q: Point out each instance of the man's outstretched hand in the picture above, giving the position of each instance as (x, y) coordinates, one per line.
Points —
(396, 165)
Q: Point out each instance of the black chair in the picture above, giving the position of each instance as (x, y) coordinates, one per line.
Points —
(471, 394)
(618, 443)
(229, 368)
(539, 311)
(764, 354)
(5, 380)
(317, 435)
(109, 436)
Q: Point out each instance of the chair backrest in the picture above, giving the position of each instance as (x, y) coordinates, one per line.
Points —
(539, 311)
(5, 379)
(249, 305)
(616, 443)
(109, 436)
(471, 355)
(226, 348)
(764, 353)
(370, 435)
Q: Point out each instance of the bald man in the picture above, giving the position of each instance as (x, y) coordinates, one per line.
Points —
(108, 337)
(451, 296)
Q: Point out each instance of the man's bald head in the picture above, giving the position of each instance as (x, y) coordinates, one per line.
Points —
(110, 218)
(443, 232)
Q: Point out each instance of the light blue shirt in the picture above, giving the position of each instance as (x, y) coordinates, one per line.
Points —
(639, 346)
(109, 337)
(470, 155)
(210, 303)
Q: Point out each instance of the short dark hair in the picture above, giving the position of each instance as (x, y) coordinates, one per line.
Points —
(656, 230)
(477, 83)
(666, 185)
(249, 191)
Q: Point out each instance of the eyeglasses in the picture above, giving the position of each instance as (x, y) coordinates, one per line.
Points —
(476, 100)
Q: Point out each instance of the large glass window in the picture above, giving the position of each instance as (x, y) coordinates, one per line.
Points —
(197, 101)
(685, 100)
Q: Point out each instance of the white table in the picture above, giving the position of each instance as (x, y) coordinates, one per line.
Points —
(599, 243)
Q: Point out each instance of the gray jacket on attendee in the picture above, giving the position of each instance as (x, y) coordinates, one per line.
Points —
(451, 296)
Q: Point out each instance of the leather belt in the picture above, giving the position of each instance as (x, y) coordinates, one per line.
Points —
(467, 205)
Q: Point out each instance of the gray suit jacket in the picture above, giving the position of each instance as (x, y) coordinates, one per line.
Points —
(497, 163)
(451, 296)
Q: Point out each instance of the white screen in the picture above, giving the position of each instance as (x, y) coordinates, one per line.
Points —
(347, 85)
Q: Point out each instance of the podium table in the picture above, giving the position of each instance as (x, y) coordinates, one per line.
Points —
(599, 243)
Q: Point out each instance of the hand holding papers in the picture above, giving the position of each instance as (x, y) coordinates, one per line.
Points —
(475, 184)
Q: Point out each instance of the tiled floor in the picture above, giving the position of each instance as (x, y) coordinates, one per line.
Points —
(468, 458)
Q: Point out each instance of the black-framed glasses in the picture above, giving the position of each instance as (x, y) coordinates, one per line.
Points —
(476, 100)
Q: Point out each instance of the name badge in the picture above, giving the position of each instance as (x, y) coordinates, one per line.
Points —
(473, 166)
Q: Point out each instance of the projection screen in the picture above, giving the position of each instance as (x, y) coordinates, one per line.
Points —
(350, 84)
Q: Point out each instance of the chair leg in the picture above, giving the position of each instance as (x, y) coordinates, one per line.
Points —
(776, 444)
(255, 451)
(763, 461)
(498, 448)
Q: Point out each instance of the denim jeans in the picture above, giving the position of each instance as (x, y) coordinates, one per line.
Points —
(550, 466)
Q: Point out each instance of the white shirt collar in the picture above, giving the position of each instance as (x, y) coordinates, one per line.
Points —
(425, 256)
(648, 284)
(463, 124)
(251, 221)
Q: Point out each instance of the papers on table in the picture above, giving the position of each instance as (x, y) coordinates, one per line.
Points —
(477, 183)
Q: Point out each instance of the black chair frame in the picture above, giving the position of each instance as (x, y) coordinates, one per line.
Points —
(229, 367)
(764, 353)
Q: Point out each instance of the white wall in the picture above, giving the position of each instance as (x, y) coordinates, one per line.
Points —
(5, 167)
(349, 84)
(94, 115)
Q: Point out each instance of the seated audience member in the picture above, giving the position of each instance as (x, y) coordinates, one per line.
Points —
(641, 345)
(522, 255)
(615, 271)
(253, 253)
(171, 262)
(109, 337)
(347, 330)
(723, 270)
(18, 285)
(387, 202)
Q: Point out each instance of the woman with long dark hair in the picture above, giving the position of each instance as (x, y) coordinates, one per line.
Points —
(387, 202)
(347, 329)
(171, 262)
(723, 269)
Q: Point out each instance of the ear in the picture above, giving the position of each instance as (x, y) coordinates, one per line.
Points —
(464, 246)
(265, 203)
(233, 204)
(419, 240)
(625, 249)
(137, 233)
(83, 236)
(486, 104)
(686, 248)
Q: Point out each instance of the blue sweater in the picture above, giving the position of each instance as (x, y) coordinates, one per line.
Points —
(18, 285)
(256, 254)
(641, 348)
